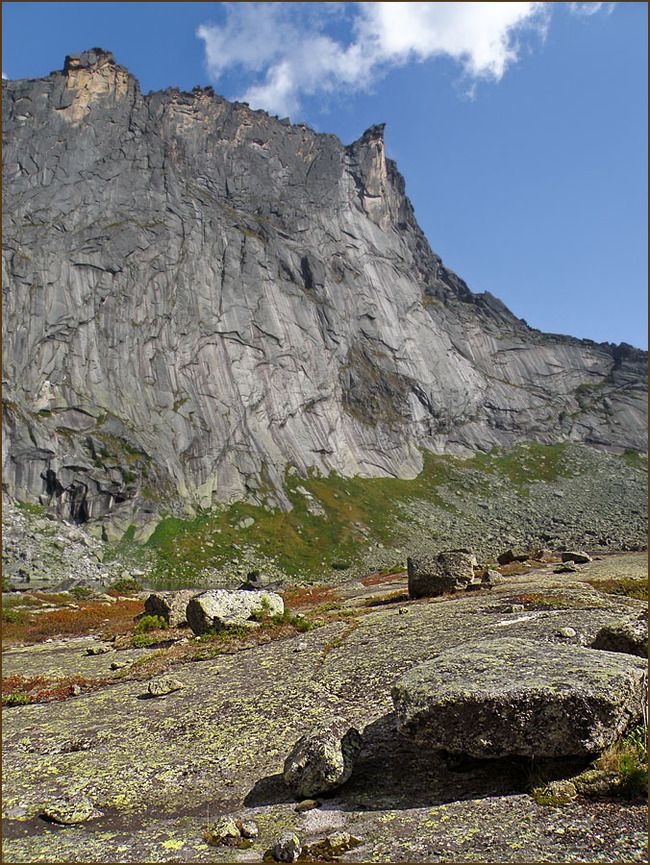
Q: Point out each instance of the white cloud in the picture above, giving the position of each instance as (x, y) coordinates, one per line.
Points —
(591, 8)
(286, 47)
(5, 77)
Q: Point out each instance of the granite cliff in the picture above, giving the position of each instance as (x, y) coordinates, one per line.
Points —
(198, 297)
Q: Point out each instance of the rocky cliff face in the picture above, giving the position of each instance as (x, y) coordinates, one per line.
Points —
(198, 296)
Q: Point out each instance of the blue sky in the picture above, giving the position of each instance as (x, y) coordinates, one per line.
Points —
(520, 128)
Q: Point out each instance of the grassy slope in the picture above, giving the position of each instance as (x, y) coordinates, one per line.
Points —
(358, 512)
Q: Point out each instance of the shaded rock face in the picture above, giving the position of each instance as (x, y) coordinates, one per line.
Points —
(629, 636)
(502, 697)
(198, 296)
(171, 606)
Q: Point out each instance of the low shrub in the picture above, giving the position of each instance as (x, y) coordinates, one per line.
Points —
(629, 759)
(630, 587)
(81, 593)
(142, 641)
(16, 700)
(124, 586)
(150, 623)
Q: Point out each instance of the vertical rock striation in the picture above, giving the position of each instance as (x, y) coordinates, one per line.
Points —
(198, 296)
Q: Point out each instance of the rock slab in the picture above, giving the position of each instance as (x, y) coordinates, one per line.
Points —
(502, 697)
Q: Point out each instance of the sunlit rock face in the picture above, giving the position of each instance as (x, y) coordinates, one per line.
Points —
(198, 296)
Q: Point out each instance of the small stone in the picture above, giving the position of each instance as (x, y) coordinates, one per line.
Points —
(306, 805)
(164, 685)
(567, 633)
(75, 690)
(223, 832)
(72, 808)
(117, 665)
(248, 828)
(565, 569)
(402, 610)
(556, 793)
(97, 650)
(287, 848)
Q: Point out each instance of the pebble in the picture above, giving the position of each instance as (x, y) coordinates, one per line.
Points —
(306, 805)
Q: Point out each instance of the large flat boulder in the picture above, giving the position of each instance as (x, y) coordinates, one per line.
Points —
(494, 698)
(217, 609)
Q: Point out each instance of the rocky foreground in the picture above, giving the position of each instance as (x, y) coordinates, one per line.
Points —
(163, 774)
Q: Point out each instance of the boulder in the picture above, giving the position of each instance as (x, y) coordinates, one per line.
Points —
(287, 848)
(223, 832)
(322, 759)
(164, 685)
(502, 697)
(71, 808)
(578, 558)
(449, 571)
(629, 636)
(220, 608)
(508, 557)
(170, 606)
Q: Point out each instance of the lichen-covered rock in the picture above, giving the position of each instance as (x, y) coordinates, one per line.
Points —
(164, 685)
(322, 759)
(555, 793)
(449, 571)
(334, 845)
(597, 783)
(170, 606)
(223, 832)
(248, 828)
(287, 848)
(220, 608)
(494, 698)
(629, 636)
(71, 808)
